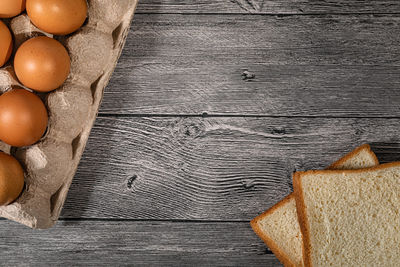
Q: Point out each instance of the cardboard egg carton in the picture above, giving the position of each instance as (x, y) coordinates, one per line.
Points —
(51, 163)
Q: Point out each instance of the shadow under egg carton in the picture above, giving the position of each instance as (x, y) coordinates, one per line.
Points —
(51, 163)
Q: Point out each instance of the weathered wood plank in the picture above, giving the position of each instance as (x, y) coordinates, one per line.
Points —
(209, 169)
(268, 6)
(103, 243)
(302, 65)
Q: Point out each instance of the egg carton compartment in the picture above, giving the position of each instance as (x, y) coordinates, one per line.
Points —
(50, 164)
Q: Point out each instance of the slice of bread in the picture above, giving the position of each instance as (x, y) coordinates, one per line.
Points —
(350, 217)
(278, 227)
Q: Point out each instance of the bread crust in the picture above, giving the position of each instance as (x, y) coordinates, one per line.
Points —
(282, 257)
(301, 215)
(374, 168)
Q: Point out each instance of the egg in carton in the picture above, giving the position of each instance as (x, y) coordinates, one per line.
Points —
(51, 163)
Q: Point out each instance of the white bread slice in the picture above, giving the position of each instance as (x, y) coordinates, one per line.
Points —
(350, 217)
(278, 227)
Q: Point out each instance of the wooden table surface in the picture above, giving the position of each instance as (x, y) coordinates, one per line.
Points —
(211, 108)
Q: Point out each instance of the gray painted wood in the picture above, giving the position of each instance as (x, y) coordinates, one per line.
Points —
(268, 7)
(302, 65)
(106, 243)
(210, 169)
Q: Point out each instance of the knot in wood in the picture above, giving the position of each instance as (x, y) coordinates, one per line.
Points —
(130, 181)
(190, 128)
(278, 131)
(248, 76)
(248, 184)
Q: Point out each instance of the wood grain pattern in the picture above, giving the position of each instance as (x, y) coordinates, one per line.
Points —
(210, 169)
(268, 6)
(105, 243)
(288, 66)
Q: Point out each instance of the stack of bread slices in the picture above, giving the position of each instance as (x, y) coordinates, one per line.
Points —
(346, 215)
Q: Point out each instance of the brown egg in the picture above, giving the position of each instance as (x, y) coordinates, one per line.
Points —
(5, 43)
(42, 64)
(11, 8)
(11, 179)
(59, 17)
(23, 118)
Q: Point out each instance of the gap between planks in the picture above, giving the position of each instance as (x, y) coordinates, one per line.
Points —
(280, 15)
(220, 7)
(206, 115)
